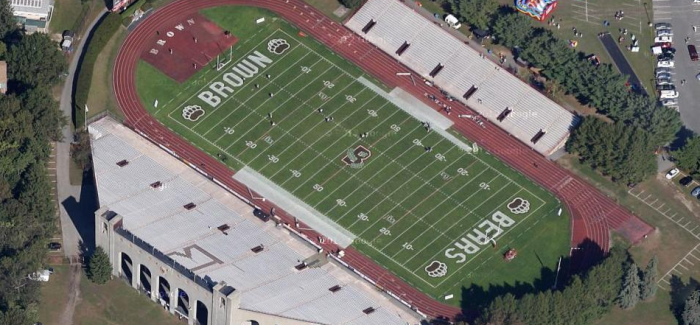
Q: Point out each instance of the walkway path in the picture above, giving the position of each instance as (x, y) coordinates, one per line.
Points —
(593, 214)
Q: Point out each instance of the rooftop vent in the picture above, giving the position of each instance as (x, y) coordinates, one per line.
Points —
(403, 48)
(122, 163)
(190, 206)
(157, 184)
(436, 70)
(504, 114)
(368, 310)
(470, 92)
(258, 249)
(334, 288)
(223, 228)
(538, 136)
(369, 26)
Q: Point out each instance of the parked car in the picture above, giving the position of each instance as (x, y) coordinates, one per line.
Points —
(54, 246)
(692, 52)
(668, 50)
(665, 57)
(685, 181)
(659, 71)
(664, 75)
(666, 63)
(664, 82)
(696, 191)
(663, 26)
(664, 45)
(668, 94)
(664, 39)
(669, 102)
(664, 32)
(672, 173)
(698, 76)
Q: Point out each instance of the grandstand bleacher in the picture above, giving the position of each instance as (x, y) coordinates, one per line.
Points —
(456, 68)
(218, 237)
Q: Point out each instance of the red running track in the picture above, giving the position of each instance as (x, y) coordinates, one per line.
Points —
(593, 214)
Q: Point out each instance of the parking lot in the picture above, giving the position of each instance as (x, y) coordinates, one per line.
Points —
(683, 14)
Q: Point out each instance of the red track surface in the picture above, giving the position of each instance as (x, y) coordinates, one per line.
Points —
(593, 214)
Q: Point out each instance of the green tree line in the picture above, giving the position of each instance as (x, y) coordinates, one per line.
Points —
(29, 121)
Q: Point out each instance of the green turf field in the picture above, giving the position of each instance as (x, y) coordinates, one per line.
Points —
(429, 217)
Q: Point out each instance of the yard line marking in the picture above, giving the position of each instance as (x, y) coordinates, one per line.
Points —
(254, 112)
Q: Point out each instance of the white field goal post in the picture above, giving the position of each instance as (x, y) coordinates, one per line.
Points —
(222, 62)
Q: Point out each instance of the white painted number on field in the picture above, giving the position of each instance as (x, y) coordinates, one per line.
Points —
(251, 144)
(407, 246)
(395, 128)
(444, 175)
(328, 84)
(318, 187)
(463, 172)
(362, 217)
(273, 159)
(417, 142)
(228, 130)
(372, 113)
(391, 219)
(484, 186)
(340, 202)
(440, 157)
(350, 98)
(385, 232)
(323, 96)
(268, 140)
(305, 69)
(295, 173)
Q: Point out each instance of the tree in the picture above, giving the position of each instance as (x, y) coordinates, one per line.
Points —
(691, 311)
(7, 19)
(80, 150)
(629, 295)
(477, 13)
(99, 268)
(688, 156)
(512, 29)
(352, 4)
(649, 279)
(35, 61)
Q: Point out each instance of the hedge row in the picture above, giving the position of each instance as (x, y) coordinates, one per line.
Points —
(103, 33)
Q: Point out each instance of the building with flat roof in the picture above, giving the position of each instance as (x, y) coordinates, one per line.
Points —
(201, 253)
(464, 73)
(34, 15)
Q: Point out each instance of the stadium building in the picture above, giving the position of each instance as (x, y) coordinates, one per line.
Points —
(200, 252)
(464, 73)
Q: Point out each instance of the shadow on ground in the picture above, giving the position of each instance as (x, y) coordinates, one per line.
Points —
(82, 213)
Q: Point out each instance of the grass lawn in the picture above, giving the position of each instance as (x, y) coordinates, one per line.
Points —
(101, 97)
(409, 208)
(66, 14)
(654, 312)
(53, 295)
(327, 7)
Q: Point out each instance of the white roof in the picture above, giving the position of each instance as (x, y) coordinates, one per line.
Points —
(268, 280)
(463, 69)
(40, 7)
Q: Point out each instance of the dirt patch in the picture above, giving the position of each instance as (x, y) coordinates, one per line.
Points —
(73, 295)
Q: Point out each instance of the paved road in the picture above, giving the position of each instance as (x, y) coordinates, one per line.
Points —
(77, 221)
(621, 62)
(683, 14)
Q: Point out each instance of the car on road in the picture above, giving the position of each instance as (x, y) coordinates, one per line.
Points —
(692, 52)
(663, 26)
(672, 173)
(698, 76)
(665, 64)
(669, 102)
(54, 246)
(695, 192)
(685, 181)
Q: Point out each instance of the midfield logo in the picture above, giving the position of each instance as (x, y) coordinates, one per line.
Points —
(355, 158)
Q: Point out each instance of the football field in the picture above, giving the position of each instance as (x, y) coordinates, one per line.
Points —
(435, 210)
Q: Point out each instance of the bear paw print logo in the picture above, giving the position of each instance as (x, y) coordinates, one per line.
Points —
(436, 269)
(192, 112)
(277, 46)
(519, 206)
